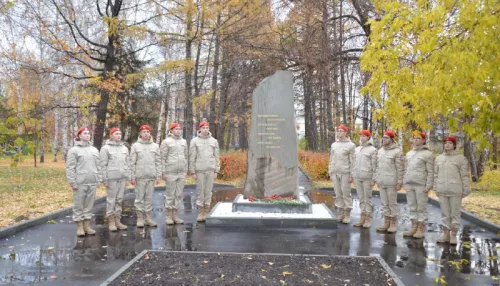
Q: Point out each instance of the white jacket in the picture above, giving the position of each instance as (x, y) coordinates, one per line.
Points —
(342, 158)
(366, 161)
(145, 160)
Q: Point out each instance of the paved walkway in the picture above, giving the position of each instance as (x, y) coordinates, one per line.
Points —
(51, 254)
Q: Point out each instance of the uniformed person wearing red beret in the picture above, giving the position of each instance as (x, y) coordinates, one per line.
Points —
(145, 162)
(83, 175)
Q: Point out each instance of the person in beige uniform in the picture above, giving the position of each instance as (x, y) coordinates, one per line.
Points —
(83, 175)
(115, 166)
(340, 169)
(418, 179)
(389, 178)
(452, 184)
(364, 176)
(174, 159)
(204, 164)
(145, 162)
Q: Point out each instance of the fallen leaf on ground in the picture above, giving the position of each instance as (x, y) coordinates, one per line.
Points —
(285, 273)
(325, 266)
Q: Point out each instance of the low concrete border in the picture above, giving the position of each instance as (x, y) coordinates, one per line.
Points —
(140, 255)
(126, 266)
(389, 270)
(326, 223)
(488, 225)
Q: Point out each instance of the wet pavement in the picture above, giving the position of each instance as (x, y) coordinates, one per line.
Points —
(51, 254)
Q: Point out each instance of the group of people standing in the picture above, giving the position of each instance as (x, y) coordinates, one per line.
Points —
(144, 166)
(366, 166)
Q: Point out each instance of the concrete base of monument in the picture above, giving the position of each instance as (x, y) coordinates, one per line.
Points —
(222, 214)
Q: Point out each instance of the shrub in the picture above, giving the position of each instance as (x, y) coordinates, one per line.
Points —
(490, 181)
(314, 164)
(233, 165)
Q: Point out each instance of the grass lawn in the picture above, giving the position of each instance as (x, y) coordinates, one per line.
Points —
(27, 192)
(483, 203)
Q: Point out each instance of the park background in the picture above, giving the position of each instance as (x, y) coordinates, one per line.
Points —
(376, 65)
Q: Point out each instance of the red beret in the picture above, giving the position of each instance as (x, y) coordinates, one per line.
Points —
(144, 127)
(203, 123)
(173, 125)
(81, 130)
(366, 133)
(450, 138)
(343, 127)
(390, 134)
(113, 130)
(419, 134)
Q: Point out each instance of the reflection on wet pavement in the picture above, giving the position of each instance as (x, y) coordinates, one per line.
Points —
(51, 254)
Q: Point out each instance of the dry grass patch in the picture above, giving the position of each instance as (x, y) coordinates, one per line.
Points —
(27, 192)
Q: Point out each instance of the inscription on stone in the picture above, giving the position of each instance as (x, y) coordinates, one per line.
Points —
(272, 154)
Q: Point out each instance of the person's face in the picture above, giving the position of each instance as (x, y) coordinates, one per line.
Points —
(448, 146)
(341, 133)
(177, 131)
(418, 141)
(386, 140)
(145, 134)
(117, 136)
(85, 136)
(205, 130)
(363, 138)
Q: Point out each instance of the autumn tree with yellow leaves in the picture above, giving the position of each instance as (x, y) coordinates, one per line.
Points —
(437, 63)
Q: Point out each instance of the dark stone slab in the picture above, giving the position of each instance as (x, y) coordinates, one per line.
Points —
(262, 207)
(272, 161)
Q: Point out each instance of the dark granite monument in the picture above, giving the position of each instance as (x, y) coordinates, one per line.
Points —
(272, 156)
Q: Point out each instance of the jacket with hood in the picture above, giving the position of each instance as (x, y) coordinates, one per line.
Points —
(174, 154)
(342, 158)
(204, 154)
(452, 175)
(82, 165)
(115, 161)
(145, 160)
(389, 170)
(419, 167)
(366, 161)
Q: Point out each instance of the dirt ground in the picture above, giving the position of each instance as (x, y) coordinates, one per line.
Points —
(191, 268)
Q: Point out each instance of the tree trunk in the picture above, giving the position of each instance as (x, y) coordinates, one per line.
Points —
(188, 115)
(494, 150)
(242, 123)
(309, 116)
(65, 128)
(221, 122)
(160, 121)
(469, 154)
(55, 143)
(342, 70)
(215, 73)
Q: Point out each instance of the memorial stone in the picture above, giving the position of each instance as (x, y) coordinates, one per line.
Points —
(272, 155)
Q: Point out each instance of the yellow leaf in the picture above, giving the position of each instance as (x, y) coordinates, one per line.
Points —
(285, 273)
(326, 266)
